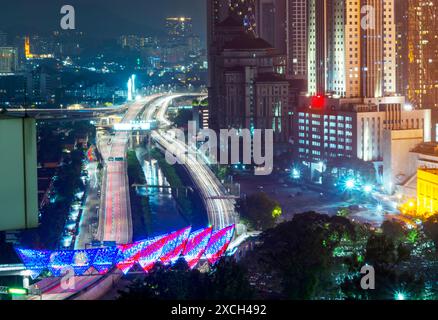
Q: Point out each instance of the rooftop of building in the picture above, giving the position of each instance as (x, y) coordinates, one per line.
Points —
(432, 171)
(230, 21)
(246, 41)
(427, 148)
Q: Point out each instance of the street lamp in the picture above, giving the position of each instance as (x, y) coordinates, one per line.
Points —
(350, 184)
(400, 296)
(368, 188)
(296, 174)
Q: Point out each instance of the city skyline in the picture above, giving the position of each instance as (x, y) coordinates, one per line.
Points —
(238, 150)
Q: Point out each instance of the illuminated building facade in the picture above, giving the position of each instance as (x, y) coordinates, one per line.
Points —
(351, 48)
(296, 38)
(427, 191)
(423, 53)
(402, 60)
(179, 28)
(8, 60)
(328, 129)
(28, 53)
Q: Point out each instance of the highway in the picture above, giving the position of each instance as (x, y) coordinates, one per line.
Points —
(220, 208)
(115, 220)
(63, 114)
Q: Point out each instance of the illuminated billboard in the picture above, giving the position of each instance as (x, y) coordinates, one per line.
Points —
(18, 174)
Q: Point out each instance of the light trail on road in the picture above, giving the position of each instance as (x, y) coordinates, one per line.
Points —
(220, 210)
(115, 222)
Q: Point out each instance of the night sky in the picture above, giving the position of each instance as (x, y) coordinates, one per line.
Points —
(99, 17)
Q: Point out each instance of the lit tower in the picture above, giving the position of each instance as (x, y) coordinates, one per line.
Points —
(27, 48)
(423, 53)
(351, 48)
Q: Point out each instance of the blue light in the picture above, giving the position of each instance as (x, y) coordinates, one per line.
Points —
(166, 249)
(196, 245)
(104, 259)
(400, 296)
(81, 261)
(350, 184)
(60, 261)
(296, 174)
(218, 244)
(368, 188)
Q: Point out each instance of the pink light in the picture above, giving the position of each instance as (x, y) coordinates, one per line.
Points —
(218, 244)
(196, 246)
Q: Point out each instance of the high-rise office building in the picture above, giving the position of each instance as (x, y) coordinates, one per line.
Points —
(8, 60)
(423, 53)
(330, 129)
(351, 48)
(296, 38)
(226, 19)
(402, 61)
(179, 28)
(271, 23)
(283, 24)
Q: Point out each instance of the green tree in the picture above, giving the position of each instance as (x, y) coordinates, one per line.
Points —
(299, 253)
(431, 229)
(385, 257)
(227, 281)
(380, 250)
(393, 230)
(260, 210)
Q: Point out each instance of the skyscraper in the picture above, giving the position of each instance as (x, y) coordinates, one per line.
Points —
(283, 23)
(402, 61)
(351, 48)
(8, 60)
(179, 28)
(423, 53)
(296, 38)
(225, 20)
(271, 22)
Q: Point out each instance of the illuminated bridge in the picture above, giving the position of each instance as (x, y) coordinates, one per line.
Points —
(166, 249)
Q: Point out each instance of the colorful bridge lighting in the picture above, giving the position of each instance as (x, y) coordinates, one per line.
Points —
(218, 244)
(196, 245)
(173, 250)
(166, 249)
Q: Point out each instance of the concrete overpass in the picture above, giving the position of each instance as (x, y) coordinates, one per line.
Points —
(63, 114)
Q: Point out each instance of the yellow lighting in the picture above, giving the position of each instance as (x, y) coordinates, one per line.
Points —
(427, 192)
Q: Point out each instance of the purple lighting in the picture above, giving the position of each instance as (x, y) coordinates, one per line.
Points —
(218, 244)
(165, 249)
